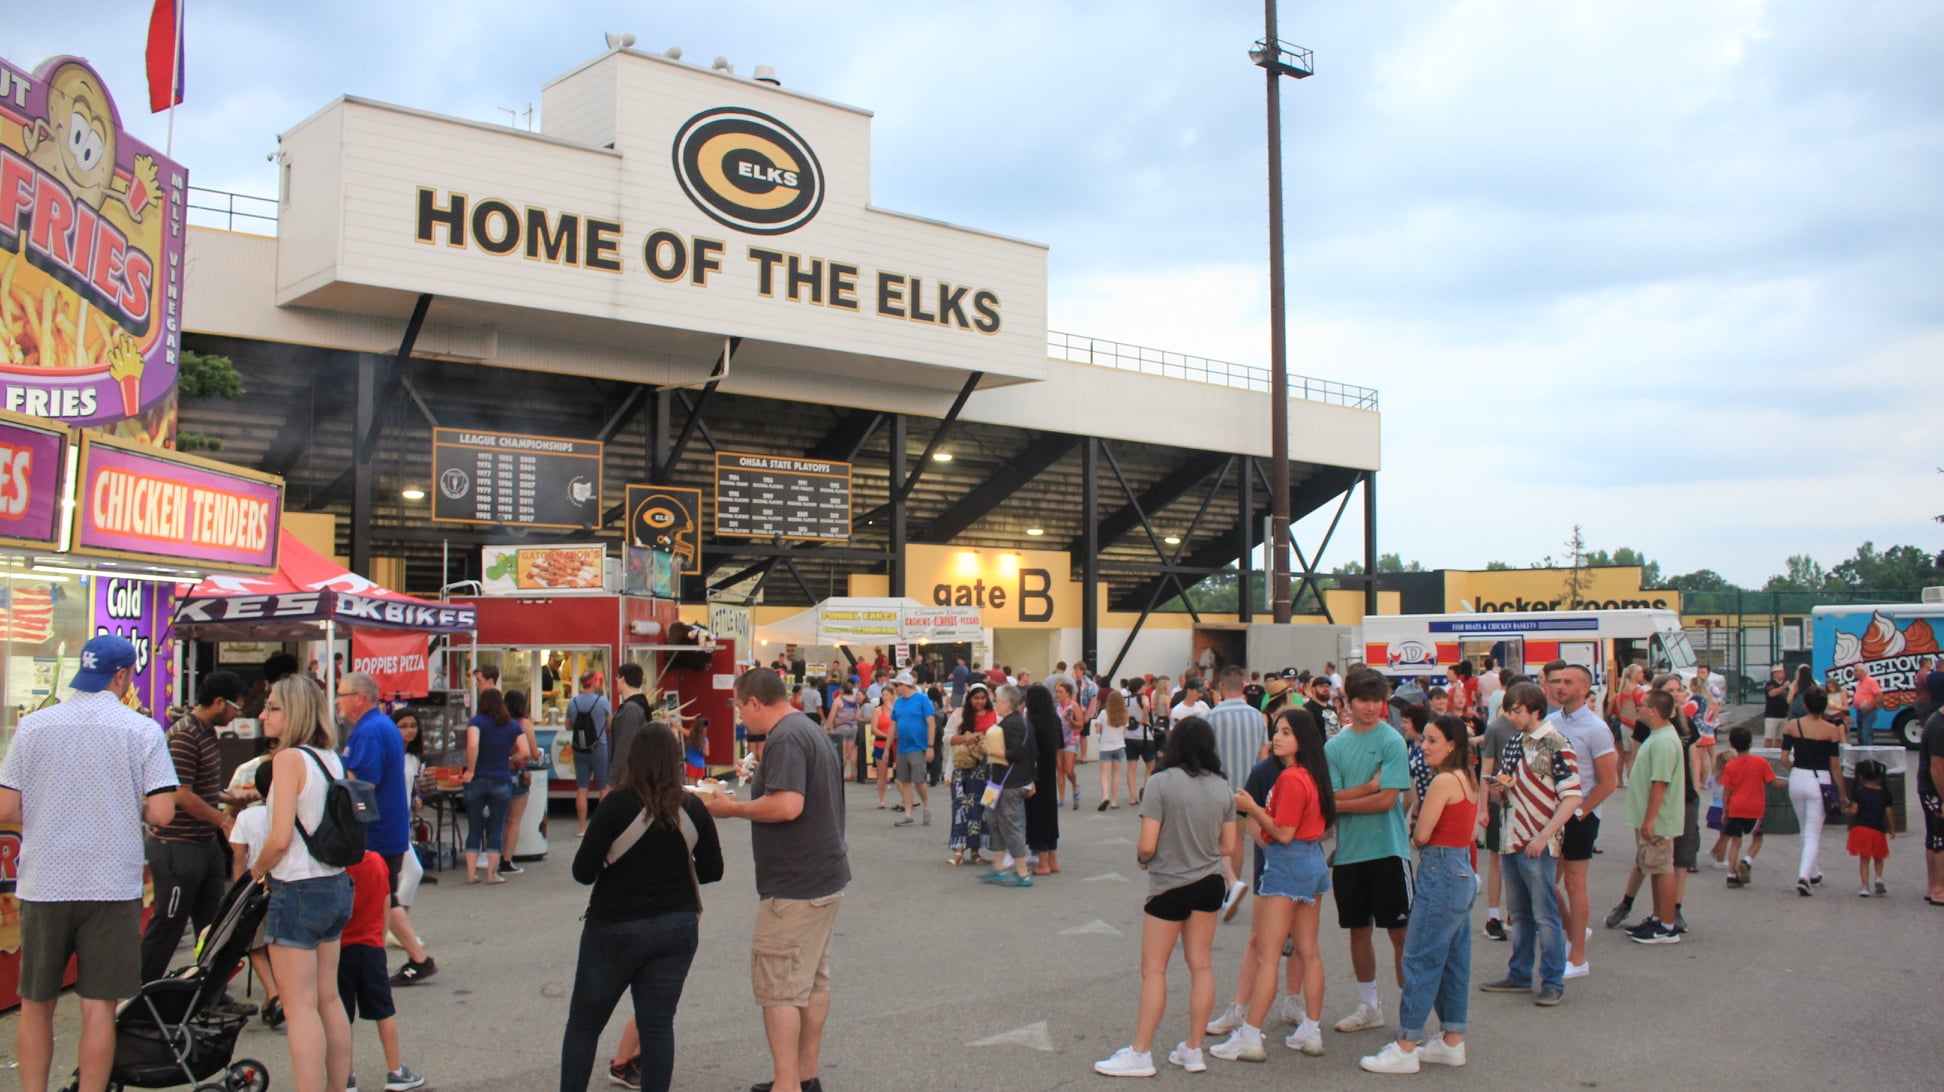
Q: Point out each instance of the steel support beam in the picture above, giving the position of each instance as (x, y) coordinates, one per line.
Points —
(847, 437)
(1169, 488)
(1030, 462)
(1245, 533)
(896, 571)
(1370, 541)
(900, 492)
(364, 434)
(1090, 551)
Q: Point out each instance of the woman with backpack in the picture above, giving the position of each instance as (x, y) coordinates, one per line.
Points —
(310, 901)
(649, 848)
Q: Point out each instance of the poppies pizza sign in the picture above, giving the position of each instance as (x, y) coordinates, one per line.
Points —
(91, 259)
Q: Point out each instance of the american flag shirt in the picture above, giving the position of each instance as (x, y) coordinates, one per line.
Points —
(1544, 771)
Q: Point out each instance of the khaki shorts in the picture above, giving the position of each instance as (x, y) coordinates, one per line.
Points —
(789, 957)
(1653, 856)
(106, 938)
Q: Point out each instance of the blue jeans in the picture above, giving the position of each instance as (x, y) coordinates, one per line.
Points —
(1437, 943)
(648, 957)
(1532, 910)
(484, 795)
(1865, 726)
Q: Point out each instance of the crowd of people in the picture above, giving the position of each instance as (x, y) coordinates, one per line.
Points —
(1285, 788)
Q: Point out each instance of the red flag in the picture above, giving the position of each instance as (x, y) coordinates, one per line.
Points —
(164, 56)
(395, 661)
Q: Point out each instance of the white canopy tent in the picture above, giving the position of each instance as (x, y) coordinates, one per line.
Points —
(873, 621)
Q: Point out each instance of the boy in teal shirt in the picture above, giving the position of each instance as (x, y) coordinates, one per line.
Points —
(1370, 876)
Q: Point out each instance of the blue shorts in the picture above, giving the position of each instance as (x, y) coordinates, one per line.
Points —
(306, 913)
(522, 784)
(591, 766)
(1296, 870)
(1118, 754)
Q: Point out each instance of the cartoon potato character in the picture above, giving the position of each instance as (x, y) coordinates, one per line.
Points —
(75, 143)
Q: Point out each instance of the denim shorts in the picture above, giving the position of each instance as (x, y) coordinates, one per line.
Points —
(306, 913)
(1118, 754)
(1296, 870)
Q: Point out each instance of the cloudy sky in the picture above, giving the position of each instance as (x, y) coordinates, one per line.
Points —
(1667, 270)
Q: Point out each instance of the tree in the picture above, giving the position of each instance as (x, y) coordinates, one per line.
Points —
(1650, 571)
(1577, 579)
(1702, 580)
(1496, 567)
(205, 376)
(1386, 563)
(1897, 567)
(1804, 573)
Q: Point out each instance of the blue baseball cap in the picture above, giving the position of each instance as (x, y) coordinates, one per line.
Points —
(101, 657)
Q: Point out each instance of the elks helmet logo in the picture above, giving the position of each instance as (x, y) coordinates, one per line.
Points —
(748, 171)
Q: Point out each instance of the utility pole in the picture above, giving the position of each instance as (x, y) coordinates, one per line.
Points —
(1278, 60)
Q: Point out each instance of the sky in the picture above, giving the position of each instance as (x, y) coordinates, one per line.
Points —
(1668, 271)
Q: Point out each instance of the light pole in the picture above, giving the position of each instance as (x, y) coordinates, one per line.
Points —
(1278, 59)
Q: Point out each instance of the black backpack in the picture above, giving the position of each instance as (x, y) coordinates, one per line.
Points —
(587, 734)
(350, 807)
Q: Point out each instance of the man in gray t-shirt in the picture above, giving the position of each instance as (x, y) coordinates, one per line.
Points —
(1191, 811)
(802, 866)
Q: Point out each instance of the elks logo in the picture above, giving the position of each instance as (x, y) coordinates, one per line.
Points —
(748, 171)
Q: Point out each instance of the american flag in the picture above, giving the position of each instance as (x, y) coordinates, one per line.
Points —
(26, 614)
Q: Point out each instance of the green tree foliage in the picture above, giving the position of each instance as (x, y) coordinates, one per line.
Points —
(205, 375)
(1703, 580)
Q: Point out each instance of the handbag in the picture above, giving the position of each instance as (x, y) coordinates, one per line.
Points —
(990, 796)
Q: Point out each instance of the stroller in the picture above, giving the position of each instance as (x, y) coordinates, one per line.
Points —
(171, 1033)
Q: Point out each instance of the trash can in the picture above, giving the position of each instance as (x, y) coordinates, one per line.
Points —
(1780, 817)
(1894, 761)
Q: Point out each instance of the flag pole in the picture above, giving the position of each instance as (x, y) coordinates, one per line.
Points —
(175, 76)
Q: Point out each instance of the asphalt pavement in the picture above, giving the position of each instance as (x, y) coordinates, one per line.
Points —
(943, 982)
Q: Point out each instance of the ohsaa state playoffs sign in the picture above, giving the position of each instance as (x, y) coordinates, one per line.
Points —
(748, 171)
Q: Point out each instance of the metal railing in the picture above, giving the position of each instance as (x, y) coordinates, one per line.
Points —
(1076, 349)
(232, 211)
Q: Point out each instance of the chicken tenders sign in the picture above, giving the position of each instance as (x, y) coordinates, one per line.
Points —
(174, 509)
(91, 260)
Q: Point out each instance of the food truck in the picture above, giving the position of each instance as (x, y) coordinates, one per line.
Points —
(546, 620)
(1602, 641)
(1887, 640)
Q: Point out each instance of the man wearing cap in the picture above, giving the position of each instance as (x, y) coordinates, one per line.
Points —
(187, 856)
(591, 767)
(912, 716)
(71, 779)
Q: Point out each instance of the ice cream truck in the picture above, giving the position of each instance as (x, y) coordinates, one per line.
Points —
(1603, 641)
(1888, 640)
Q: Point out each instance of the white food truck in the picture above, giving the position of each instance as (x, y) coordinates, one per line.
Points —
(1419, 645)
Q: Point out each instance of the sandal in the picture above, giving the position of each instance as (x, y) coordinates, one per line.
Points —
(955, 859)
(496, 878)
(273, 1013)
(472, 879)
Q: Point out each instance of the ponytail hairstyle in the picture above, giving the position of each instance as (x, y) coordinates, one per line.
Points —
(1311, 757)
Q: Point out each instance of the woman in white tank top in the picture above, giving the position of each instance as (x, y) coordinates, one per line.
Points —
(310, 902)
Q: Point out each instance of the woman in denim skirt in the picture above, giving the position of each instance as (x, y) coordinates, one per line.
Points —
(1437, 944)
(310, 902)
(1295, 874)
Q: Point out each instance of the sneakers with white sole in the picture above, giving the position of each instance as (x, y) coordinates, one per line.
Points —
(1310, 1042)
(1126, 1063)
(1288, 1009)
(1188, 1058)
(1391, 1059)
(1364, 1019)
(1578, 970)
(1243, 1046)
(1435, 1051)
(1230, 1018)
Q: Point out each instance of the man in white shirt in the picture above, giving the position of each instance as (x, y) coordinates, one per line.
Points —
(81, 778)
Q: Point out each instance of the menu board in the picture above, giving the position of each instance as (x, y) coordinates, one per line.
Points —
(514, 480)
(760, 496)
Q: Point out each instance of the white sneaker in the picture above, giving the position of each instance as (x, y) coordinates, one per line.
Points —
(1288, 1009)
(1310, 1044)
(1435, 1052)
(1187, 1058)
(1126, 1063)
(1720, 865)
(1364, 1019)
(1578, 970)
(1863, 892)
(1231, 1018)
(1240, 1047)
(1391, 1059)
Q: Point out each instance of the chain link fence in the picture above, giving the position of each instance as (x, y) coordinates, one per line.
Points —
(1739, 634)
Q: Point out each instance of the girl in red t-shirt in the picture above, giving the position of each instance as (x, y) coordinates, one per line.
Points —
(1295, 874)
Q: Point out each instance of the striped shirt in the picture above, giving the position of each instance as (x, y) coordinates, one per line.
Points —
(1240, 732)
(199, 768)
(1544, 771)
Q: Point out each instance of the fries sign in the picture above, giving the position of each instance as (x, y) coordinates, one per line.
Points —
(91, 259)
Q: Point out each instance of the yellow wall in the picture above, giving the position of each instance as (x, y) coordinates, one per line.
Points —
(1607, 588)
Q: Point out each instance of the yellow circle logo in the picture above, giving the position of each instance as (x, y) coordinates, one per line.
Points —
(748, 171)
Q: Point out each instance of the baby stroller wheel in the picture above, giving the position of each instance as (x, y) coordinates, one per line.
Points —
(247, 1075)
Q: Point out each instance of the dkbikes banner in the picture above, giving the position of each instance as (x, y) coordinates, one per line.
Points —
(91, 258)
